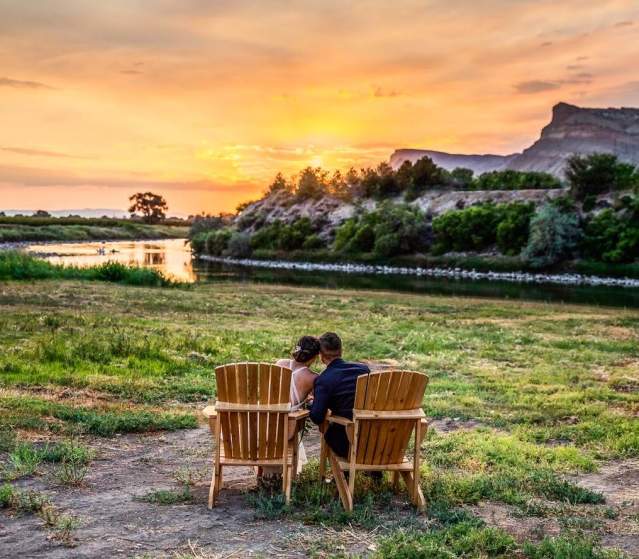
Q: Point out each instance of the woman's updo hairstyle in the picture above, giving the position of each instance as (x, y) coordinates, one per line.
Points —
(306, 349)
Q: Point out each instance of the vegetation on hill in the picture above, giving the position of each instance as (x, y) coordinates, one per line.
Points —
(410, 181)
(567, 228)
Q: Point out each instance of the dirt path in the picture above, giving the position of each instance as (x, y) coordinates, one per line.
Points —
(113, 523)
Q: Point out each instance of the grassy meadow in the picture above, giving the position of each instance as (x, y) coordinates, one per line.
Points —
(31, 229)
(542, 393)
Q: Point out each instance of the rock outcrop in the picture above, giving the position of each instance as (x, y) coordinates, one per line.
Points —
(571, 130)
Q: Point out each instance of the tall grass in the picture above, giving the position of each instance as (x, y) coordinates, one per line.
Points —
(17, 265)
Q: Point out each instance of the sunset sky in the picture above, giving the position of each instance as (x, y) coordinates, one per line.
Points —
(204, 101)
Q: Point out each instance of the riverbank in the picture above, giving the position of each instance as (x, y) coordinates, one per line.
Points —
(19, 233)
(449, 273)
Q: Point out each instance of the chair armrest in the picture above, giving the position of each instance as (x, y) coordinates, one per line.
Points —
(339, 420)
(298, 415)
(209, 412)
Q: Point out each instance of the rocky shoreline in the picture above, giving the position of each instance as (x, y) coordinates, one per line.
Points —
(447, 273)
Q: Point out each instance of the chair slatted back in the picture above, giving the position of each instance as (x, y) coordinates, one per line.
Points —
(384, 441)
(252, 406)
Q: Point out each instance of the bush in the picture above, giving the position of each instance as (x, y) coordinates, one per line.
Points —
(425, 176)
(512, 231)
(299, 234)
(516, 180)
(470, 229)
(239, 245)
(553, 236)
(613, 236)
(205, 223)
(388, 231)
(599, 173)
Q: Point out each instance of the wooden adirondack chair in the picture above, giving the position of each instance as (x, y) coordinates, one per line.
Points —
(387, 412)
(252, 420)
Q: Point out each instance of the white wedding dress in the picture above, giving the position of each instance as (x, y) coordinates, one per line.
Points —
(296, 404)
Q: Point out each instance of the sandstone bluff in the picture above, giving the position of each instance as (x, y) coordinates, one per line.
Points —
(571, 130)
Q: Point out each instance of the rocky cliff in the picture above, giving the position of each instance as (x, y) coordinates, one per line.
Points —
(329, 212)
(571, 130)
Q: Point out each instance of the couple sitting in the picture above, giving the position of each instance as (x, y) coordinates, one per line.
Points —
(333, 389)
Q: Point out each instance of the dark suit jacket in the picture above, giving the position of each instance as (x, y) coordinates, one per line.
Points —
(335, 390)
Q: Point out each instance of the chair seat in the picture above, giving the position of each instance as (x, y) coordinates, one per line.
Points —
(257, 462)
(405, 465)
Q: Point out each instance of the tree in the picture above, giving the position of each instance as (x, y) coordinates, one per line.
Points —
(554, 235)
(153, 207)
(41, 213)
(311, 184)
(598, 173)
(279, 184)
(462, 177)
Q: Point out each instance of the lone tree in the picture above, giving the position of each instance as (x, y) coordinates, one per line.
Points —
(153, 207)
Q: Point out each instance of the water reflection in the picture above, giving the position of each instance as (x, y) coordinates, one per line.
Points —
(173, 258)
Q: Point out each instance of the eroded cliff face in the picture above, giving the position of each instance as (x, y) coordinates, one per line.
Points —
(328, 213)
(577, 130)
(571, 130)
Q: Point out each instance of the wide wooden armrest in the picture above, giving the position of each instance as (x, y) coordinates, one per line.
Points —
(390, 414)
(298, 415)
(209, 411)
(339, 420)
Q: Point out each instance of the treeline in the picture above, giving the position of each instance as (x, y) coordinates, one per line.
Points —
(410, 181)
(42, 220)
(566, 228)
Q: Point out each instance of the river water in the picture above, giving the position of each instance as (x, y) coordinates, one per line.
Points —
(173, 258)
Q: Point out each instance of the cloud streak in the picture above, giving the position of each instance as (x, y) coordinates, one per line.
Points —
(22, 84)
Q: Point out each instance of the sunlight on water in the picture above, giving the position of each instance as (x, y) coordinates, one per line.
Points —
(171, 256)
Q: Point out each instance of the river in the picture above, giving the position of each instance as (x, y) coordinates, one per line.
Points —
(173, 258)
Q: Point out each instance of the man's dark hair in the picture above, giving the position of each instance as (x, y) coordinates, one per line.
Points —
(330, 344)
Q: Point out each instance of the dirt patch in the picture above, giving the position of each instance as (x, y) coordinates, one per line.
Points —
(115, 523)
(449, 424)
(616, 523)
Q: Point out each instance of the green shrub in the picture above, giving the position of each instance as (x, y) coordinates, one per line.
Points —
(516, 180)
(554, 235)
(301, 233)
(239, 245)
(391, 230)
(613, 236)
(512, 231)
(216, 242)
(598, 173)
(470, 229)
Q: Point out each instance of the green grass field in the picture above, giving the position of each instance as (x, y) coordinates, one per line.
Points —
(12, 230)
(551, 390)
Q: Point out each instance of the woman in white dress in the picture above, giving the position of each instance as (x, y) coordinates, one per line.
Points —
(302, 380)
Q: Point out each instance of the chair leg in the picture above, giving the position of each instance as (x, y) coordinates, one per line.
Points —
(416, 496)
(340, 481)
(322, 459)
(212, 492)
(287, 489)
(396, 481)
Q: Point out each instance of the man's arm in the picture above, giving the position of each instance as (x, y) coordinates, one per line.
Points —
(320, 402)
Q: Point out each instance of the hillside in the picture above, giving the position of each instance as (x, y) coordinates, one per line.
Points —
(571, 130)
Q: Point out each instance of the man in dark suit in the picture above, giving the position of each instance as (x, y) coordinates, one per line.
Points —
(335, 390)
